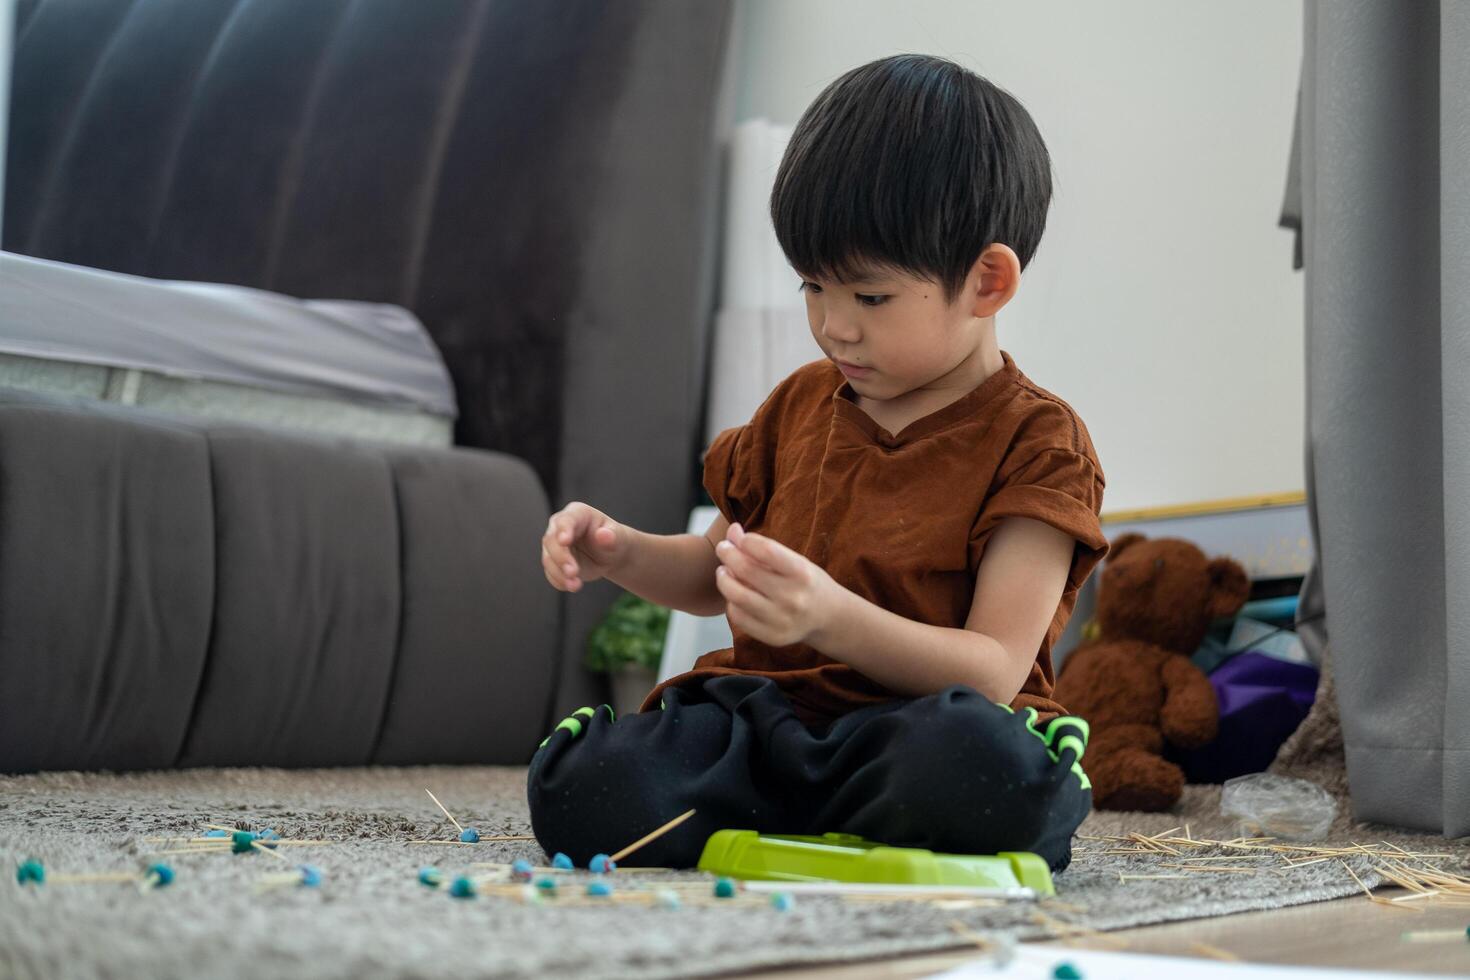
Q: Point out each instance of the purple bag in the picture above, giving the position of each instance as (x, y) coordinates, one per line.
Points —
(1262, 701)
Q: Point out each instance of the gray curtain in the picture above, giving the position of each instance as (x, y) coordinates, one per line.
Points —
(1380, 194)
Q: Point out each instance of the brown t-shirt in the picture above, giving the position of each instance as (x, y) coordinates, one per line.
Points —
(902, 520)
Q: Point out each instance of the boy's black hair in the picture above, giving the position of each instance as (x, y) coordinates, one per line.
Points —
(912, 163)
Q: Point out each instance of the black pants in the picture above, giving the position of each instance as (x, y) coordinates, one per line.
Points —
(952, 772)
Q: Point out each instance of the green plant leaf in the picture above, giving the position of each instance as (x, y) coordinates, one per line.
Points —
(632, 632)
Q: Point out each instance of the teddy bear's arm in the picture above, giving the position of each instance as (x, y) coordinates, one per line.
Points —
(1190, 715)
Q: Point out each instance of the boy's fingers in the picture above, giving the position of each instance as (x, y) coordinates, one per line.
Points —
(551, 574)
(768, 551)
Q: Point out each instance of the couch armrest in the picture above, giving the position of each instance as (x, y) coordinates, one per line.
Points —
(186, 592)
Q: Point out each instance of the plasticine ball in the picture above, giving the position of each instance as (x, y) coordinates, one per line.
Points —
(242, 842)
(462, 888)
(562, 861)
(432, 877)
(724, 888)
(216, 833)
(1066, 971)
(267, 835)
(521, 869)
(311, 876)
(161, 874)
(602, 864)
(546, 884)
(599, 888)
(469, 835)
(667, 898)
(30, 871)
(783, 901)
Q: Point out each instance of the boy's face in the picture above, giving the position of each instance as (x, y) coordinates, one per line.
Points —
(895, 325)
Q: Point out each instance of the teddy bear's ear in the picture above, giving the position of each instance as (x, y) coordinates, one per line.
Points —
(1123, 541)
(1229, 587)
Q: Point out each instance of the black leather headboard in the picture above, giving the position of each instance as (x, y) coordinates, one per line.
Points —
(536, 180)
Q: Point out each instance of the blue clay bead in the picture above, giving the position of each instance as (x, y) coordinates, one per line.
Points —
(311, 875)
(562, 861)
(783, 901)
(521, 869)
(432, 877)
(462, 888)
(602, 864)
(162, 875)
(30, 871)
(267, 835)
(724, 888)
(599, 888)
(470, 835)
(216, 833)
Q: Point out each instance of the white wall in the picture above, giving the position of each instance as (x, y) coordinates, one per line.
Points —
(1162, 303)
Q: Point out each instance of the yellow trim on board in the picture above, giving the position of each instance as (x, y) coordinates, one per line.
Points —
(1204, 507)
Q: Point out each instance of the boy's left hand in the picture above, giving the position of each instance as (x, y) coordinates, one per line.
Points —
(771, 592)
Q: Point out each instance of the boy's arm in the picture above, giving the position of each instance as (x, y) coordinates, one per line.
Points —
(1017, 589)
(674, 570)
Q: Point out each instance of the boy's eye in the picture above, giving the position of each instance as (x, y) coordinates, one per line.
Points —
(866, 300)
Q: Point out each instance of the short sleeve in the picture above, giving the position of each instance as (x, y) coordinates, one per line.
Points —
(1060, 487)
(736, 474)
(740, 463)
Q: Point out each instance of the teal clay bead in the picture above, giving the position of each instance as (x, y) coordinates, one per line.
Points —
(431, 877)
(599, 888)
(30, 871)
(462, 888)
(724, 888)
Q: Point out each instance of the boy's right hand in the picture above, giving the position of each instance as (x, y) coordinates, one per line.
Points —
(581, 544)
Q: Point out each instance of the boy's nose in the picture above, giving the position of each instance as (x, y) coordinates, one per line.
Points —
(839, 331)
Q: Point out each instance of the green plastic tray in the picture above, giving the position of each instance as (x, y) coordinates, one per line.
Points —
(847, 857)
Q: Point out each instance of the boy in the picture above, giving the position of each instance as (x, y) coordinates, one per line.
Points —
(883, 680)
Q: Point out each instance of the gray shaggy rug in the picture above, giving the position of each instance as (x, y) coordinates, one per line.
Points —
(371, 917)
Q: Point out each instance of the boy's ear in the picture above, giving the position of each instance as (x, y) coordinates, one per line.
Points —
(994, 279)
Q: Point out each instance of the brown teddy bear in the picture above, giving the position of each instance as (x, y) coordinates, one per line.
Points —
(1135, 684)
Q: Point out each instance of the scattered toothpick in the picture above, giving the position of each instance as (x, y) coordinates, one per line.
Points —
(446, 812)
(649, 837)
(1214, 952)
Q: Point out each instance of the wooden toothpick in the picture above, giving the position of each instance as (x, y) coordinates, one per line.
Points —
(271, 851)
(657, 833)
(446, 812)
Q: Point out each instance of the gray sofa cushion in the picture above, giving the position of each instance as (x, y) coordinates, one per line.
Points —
(181, 592)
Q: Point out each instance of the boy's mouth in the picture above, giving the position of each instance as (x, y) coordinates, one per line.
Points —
(852, 370)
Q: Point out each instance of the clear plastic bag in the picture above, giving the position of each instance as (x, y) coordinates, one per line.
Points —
(1266, 805)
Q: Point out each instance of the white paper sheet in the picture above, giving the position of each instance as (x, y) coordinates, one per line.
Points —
(1039, 961)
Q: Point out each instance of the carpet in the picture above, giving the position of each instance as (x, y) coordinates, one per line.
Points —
(370, 917)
